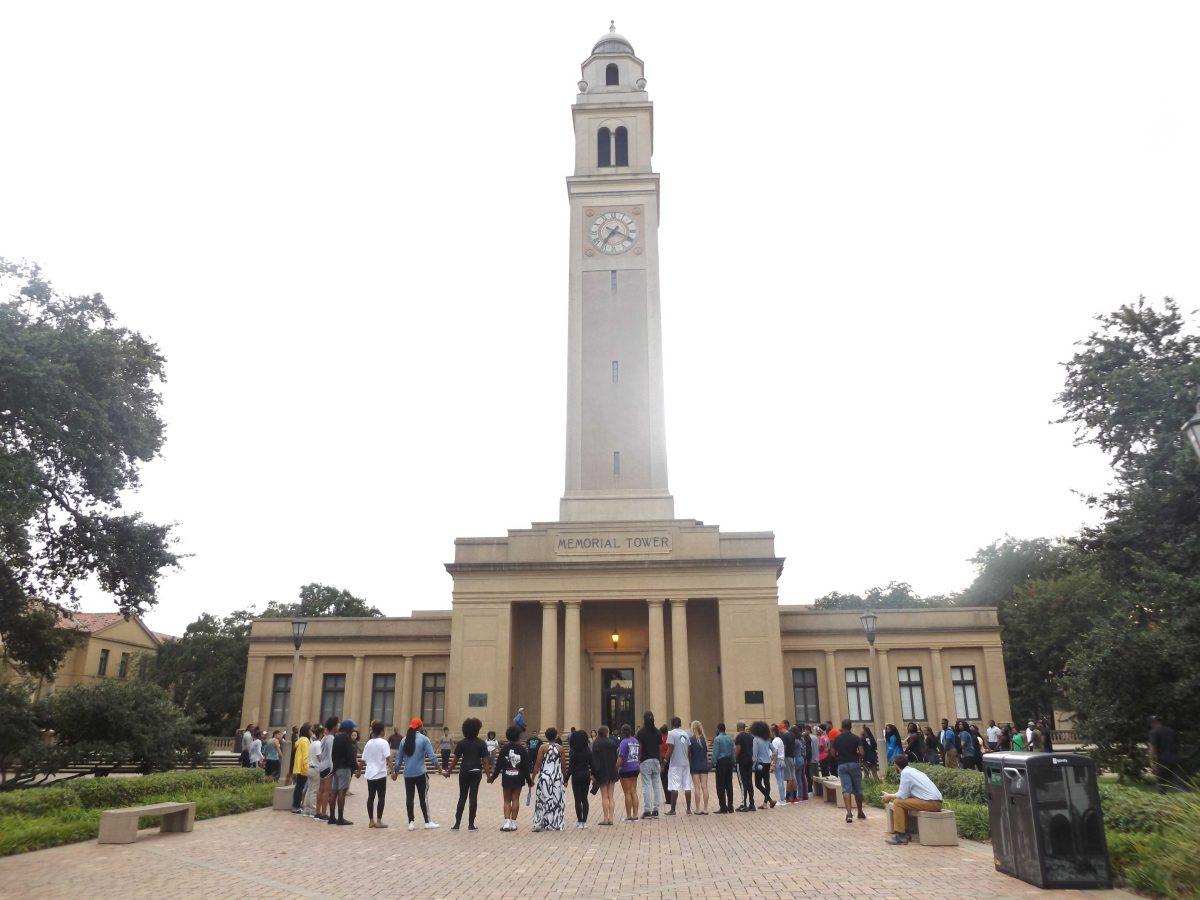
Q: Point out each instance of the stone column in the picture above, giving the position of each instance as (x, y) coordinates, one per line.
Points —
(549, 708)
(939, 687)
(404, 713)
(833, 707)
(657, 660)
(884, 692)
(354, 702)
(252, 705)
(310, 700)
(572, 689)
(681, 682)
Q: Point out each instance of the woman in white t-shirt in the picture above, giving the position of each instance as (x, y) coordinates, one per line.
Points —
(779, 755)
(256, 754)
(492, 746)
(375, 765)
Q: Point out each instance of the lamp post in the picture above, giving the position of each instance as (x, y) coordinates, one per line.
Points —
(1192, 430)
(298, 628)
(869, 621)
(616, 638)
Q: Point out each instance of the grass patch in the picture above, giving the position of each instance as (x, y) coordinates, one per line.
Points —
(35, 818)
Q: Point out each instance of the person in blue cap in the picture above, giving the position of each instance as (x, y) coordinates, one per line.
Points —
(345, 765)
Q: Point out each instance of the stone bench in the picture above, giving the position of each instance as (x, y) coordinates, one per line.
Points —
(832, 786)
(120, 826)
(933, 829)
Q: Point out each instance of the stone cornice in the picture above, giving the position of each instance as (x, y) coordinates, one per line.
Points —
(775, 562)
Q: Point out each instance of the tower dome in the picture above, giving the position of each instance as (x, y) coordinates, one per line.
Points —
(613, 42)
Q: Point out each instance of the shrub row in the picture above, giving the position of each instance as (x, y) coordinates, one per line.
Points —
(111, 793)
(66, 824)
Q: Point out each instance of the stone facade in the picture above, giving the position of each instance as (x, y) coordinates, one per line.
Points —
(621, 607)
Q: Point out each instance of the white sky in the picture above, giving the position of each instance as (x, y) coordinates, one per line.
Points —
(884, 225)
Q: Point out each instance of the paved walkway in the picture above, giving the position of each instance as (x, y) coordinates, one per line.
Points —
(797, 851)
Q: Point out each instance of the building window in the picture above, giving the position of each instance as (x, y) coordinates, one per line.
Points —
(383, 698)
(610, 75)
(804, 690)
(333, 696)
(103, 667)
(616, 463)
(622, 146)
(616, 372)
(966, 696)
(281, 696)
(912, 695)
(433, 698)
(858, 694)
(603, 148)
(123, 666)
(612, 279)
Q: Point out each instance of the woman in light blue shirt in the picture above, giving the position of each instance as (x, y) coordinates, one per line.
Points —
(411, 757)
(762, 760)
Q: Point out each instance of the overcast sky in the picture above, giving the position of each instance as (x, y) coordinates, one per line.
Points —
(346, 227)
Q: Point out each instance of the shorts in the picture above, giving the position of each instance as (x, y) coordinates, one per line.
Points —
(679, 778)
(510, 782)
(341, 779)
(629, 776)
(850, 775)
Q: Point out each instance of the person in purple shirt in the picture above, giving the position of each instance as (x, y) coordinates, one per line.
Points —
(629, 764)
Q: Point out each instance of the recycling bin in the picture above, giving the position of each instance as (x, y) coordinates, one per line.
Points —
(1047, 826)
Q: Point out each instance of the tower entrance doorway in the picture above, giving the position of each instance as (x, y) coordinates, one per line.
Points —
(616, 698)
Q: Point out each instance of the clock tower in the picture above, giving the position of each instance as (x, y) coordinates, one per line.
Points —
(616, 446)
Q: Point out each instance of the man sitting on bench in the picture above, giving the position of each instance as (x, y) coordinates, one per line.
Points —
(916, 792)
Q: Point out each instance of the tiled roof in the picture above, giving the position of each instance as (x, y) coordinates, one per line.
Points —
(92, 622)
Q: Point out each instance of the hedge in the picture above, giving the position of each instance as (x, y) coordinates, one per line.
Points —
(61, 814)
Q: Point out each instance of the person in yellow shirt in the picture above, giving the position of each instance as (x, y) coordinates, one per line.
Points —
(300, 766)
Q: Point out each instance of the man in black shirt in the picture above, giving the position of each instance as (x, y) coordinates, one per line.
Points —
(847, 750)
(345, 763)
(649, 740)
(743, 755)
(1164, 755)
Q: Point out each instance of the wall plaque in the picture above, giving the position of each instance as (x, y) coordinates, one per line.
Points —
(476, 699)
(754, 696)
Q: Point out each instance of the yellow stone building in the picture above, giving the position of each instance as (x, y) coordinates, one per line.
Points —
(107, 646)
(619, 606)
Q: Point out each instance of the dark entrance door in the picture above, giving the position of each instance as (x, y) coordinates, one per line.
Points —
(616, 698)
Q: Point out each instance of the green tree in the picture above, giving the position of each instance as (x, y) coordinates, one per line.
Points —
(204, 670)
(1129, 387)
(79, 400)
(897, 595)
(20, 736)
(318, 600)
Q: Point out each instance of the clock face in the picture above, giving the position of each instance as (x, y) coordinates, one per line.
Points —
(613, 232)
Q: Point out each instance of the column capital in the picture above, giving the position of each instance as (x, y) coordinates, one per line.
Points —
(572, 604)
(678, 602)
(547, 604)
(655, 601)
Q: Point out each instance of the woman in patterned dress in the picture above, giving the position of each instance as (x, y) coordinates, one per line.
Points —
(548, 808)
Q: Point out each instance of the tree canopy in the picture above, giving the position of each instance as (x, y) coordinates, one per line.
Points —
(79, 415)
(317, 600)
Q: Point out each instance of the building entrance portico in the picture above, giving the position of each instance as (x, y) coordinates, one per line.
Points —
(616, 699)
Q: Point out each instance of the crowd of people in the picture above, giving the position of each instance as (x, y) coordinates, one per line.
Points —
(656, 767)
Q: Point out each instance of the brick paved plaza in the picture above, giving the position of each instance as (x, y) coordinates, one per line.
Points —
(800, 851)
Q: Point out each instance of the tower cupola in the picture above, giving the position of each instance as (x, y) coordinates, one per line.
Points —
(612, 68)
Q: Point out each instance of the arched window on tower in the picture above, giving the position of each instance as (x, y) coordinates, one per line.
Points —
(622, 146)
(610, 74)
(604, 147)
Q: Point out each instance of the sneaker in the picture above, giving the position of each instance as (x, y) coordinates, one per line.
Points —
(472, 828)
(412, 826)
(380, 825)
(504, 827)
(898, 839)
(861, 814)
(647, 815)
(849, 818)
(432, 825)
(331, 821)
(455, 827)
(297, 811)
(344, 822)
(655, 814)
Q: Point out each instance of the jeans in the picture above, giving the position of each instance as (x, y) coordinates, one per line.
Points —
(745, 776)
(418, 784)
(298, 790)
(376, 790)
(781, 779)
(651, 785)
(310, 792)
(725, 783)
(468, 787)
(579, 787)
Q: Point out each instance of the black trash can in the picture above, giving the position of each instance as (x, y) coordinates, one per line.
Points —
(1047, 827)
